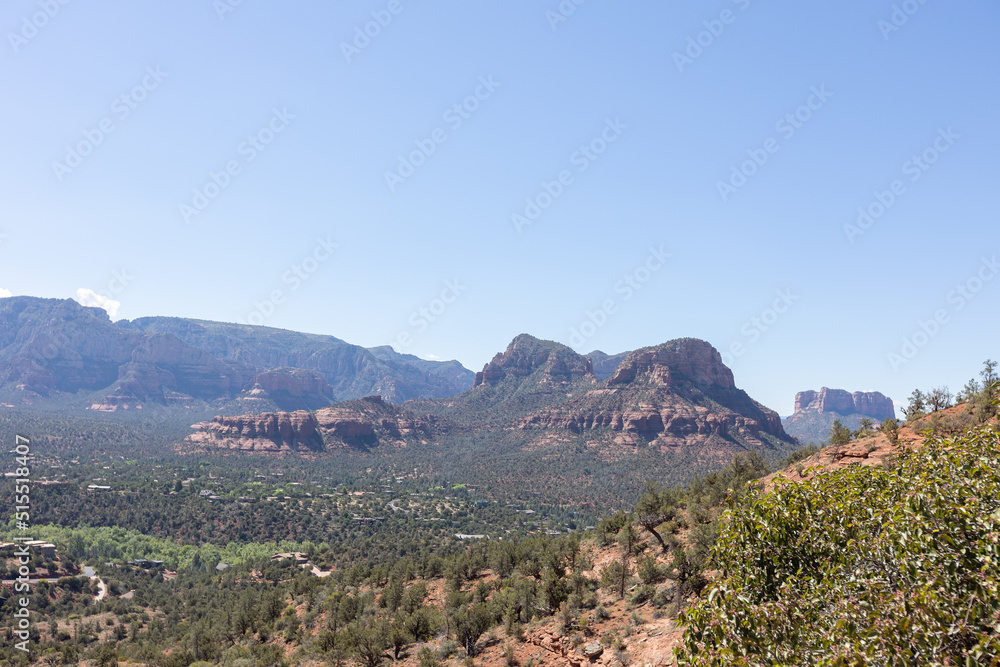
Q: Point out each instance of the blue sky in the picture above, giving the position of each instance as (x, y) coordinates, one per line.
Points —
(678, 169)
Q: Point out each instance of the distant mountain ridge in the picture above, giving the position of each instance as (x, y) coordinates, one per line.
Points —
(58, 352)
(538, 415)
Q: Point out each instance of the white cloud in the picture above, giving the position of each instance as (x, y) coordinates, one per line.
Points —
(4, 293)
(432, 357)
(89, 297)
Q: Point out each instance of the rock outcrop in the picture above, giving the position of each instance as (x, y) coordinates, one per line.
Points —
(363, 423)
(288, 389)
(526, 355)
(676, 394)
(867, 403)
(695, 360)
(268, 432)
(815, 412)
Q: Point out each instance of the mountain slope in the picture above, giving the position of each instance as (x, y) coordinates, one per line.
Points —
(675, 394)
(528, 375)
(351, 370)
(60, 354)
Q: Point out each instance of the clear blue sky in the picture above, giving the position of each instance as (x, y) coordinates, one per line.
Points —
(662, 132)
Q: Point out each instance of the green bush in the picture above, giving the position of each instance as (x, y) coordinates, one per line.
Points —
(863, 565)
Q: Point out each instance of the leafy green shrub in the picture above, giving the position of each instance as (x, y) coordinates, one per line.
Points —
(864, 565)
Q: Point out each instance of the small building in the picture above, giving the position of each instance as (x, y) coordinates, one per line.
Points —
(462, 536)
(146, 564)
(297, 556)
(47, 549)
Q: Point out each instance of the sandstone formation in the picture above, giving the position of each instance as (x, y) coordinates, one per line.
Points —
(288, 389)
(867, 403)
(676, 394)
(526, 355)
(695, 360)
(268, 432)
(816, 411)
(363, 423)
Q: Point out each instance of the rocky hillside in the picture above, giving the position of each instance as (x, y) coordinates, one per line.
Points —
(58, 354)
(678, 394)
(529, 374)
(874, 449)
(815, 412)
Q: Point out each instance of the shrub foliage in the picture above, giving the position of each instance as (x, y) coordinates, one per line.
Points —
(893, 565)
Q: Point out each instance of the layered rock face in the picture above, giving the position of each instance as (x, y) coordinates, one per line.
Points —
(351, 370)
(268, 432)
(292, 381)
(677, 393)
(288, 389)
(60, 346)
(816, 411)
(526, 355)
(362, 423)
(51, 348)
(867, 403)
(694, 359)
